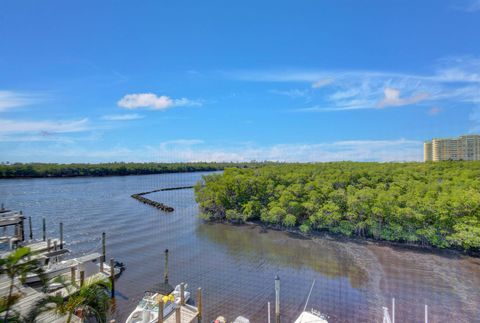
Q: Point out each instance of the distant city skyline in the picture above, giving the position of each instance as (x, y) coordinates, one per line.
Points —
(306, 81)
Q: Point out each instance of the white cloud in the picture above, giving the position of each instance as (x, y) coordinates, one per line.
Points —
(392, 98)
(42, 126)
(122, 117)
(154, 102)
(11, 99)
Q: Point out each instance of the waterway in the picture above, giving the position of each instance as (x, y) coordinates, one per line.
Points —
(236, 265)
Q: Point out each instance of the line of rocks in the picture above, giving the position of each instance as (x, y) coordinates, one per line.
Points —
(155, 204)
(158, 205)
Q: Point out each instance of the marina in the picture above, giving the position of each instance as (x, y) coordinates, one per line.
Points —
(59, 278)
(235, 265)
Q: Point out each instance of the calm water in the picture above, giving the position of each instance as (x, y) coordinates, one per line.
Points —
(236, 265)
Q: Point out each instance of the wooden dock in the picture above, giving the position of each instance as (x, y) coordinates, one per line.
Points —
(29, 298)
(188, 314)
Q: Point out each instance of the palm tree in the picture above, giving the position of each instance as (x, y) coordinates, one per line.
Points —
(90, 300)
(17, 265)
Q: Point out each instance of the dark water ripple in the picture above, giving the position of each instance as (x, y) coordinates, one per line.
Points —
(235, 265)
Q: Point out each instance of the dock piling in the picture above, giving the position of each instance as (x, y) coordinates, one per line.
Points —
(112, 277)
(101, 263)
(277, 299)
(178, 318)
(30, 227)
(49, 241)
(61, 235)
(199, 304)
(104, 249)
(72, 275)
(55, 245)
(165, 272)
(22, 228)
(44, 227)
(268, 309)
(82, 278)
(393, 310)
(160, 311)
(182, 294)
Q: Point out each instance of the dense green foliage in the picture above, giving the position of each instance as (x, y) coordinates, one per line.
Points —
(435, 204)
(106, 169)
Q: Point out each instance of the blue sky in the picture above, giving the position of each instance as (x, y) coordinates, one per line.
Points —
(95, 81)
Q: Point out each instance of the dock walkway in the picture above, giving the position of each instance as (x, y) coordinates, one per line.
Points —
(188, 314)
(29, 298)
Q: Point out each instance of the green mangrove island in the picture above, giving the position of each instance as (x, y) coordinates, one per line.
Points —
(429, 204)
(29, 170)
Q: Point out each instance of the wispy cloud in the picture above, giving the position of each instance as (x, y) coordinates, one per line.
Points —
(475, 119)
(468, 6)
(42, 127)
(392, 98)
(292, 93)
(122, 117)
(153, 101)
(321, 83)
(198, 150)
(453, 79)
(12, 99)
(433, 111)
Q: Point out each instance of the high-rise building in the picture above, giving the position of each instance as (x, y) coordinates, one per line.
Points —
(461, 148)
(427, 151)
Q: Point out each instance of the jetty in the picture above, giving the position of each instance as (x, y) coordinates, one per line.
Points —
(140, 197)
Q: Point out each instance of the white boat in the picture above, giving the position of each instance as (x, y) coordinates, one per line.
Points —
(85, 263)
(311, 317)
(147, 309)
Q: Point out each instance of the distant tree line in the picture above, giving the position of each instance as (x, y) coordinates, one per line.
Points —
(435, 204)
(17, 170)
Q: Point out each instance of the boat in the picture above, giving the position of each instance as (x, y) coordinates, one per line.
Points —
(311, 316)
(87, 263)
(147, 309)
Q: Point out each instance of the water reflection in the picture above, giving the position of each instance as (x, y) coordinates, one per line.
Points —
(254, 242)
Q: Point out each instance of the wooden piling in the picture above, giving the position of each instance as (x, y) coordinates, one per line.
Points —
(277, 299)
(160, 311)
(44, 227)
(178, 318)
(30, 227)
(112, 277)
(182, 294)
(104, 249)
(82, 278)
(61, 235)
(55, 245)
(165, 270)
(72, 275)
(49, 241)
(101, 263)
(199, 305)
(22, 228)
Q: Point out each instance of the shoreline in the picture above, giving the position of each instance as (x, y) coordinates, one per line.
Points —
(354, 239)
(109, 175)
